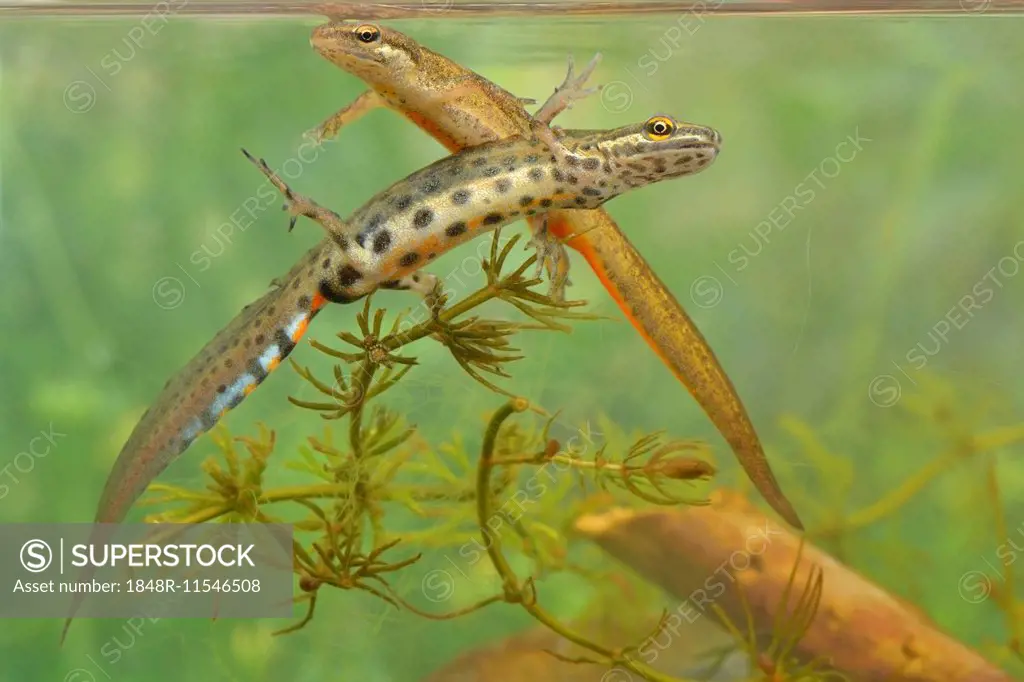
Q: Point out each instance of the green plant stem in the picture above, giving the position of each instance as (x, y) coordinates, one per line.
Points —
(361, 383)
(514, 591)
(898, 497)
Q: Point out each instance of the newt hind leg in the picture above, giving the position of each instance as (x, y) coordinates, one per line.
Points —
(299, 205)
(551, 254)
(425, 284)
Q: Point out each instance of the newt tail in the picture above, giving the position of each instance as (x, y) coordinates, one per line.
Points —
(218, 378)
(672, 335)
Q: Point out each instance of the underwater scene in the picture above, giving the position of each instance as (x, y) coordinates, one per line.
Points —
(698, 360)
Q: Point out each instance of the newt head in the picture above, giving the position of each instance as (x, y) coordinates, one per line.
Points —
(657, 149)
(373, 53)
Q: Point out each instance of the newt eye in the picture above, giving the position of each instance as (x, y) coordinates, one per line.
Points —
(367, 33)
(659, 128)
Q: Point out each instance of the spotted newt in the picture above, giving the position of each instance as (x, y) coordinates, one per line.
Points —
(460, 108)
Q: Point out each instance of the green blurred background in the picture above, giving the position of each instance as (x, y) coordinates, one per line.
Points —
(117, 168)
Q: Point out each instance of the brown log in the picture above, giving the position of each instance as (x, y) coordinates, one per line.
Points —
(523, 657)
(705, 555)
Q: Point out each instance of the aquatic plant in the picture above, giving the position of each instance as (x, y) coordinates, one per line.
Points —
(360, 481)
(382, 466)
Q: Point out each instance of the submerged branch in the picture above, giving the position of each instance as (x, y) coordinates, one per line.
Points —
(730, 557)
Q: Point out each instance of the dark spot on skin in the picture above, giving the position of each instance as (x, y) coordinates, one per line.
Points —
(246, 343)
(479, 161)
(361, 239)
(573, 179)
(221, 388)
(503, 186)
(581, 201)
(531, 212)
(207, 421)
(702, 162)
(295, 284)
(591, 192)
(228, 363)
(326, 264)
(493, 218)
(423, 217)
(304, 302)
(558, 175)
(381, 242)
(348, 276)
(223, 349)
(602, 183)
(509, 161)
(416, 277)
(559, 190)
(572, 161)
(491, 172)
(392, 284)
(659, 168)
(455, 229)
(460, 197)
(234, 344)
(260, 339)
(432, 185)
(431, 256)
(455, 171)
(591, 164)
(525, 201)
(334, 294)
(531, 158)
(686, 159)
(375, 222)
(204, 383)
(257, 371)
(607, 168)
(343, 242)
(409, 259)
(546, 203)
(284, 343)
(403, 202)
(536, 174)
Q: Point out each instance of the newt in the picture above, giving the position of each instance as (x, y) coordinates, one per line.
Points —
(384, 244)
(460, 108)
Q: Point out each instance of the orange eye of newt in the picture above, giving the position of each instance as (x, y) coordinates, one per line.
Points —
(367, 33)
(659, 128)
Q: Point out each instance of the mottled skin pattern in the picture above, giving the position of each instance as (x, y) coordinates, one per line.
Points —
(460, 108)
(434, 210)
